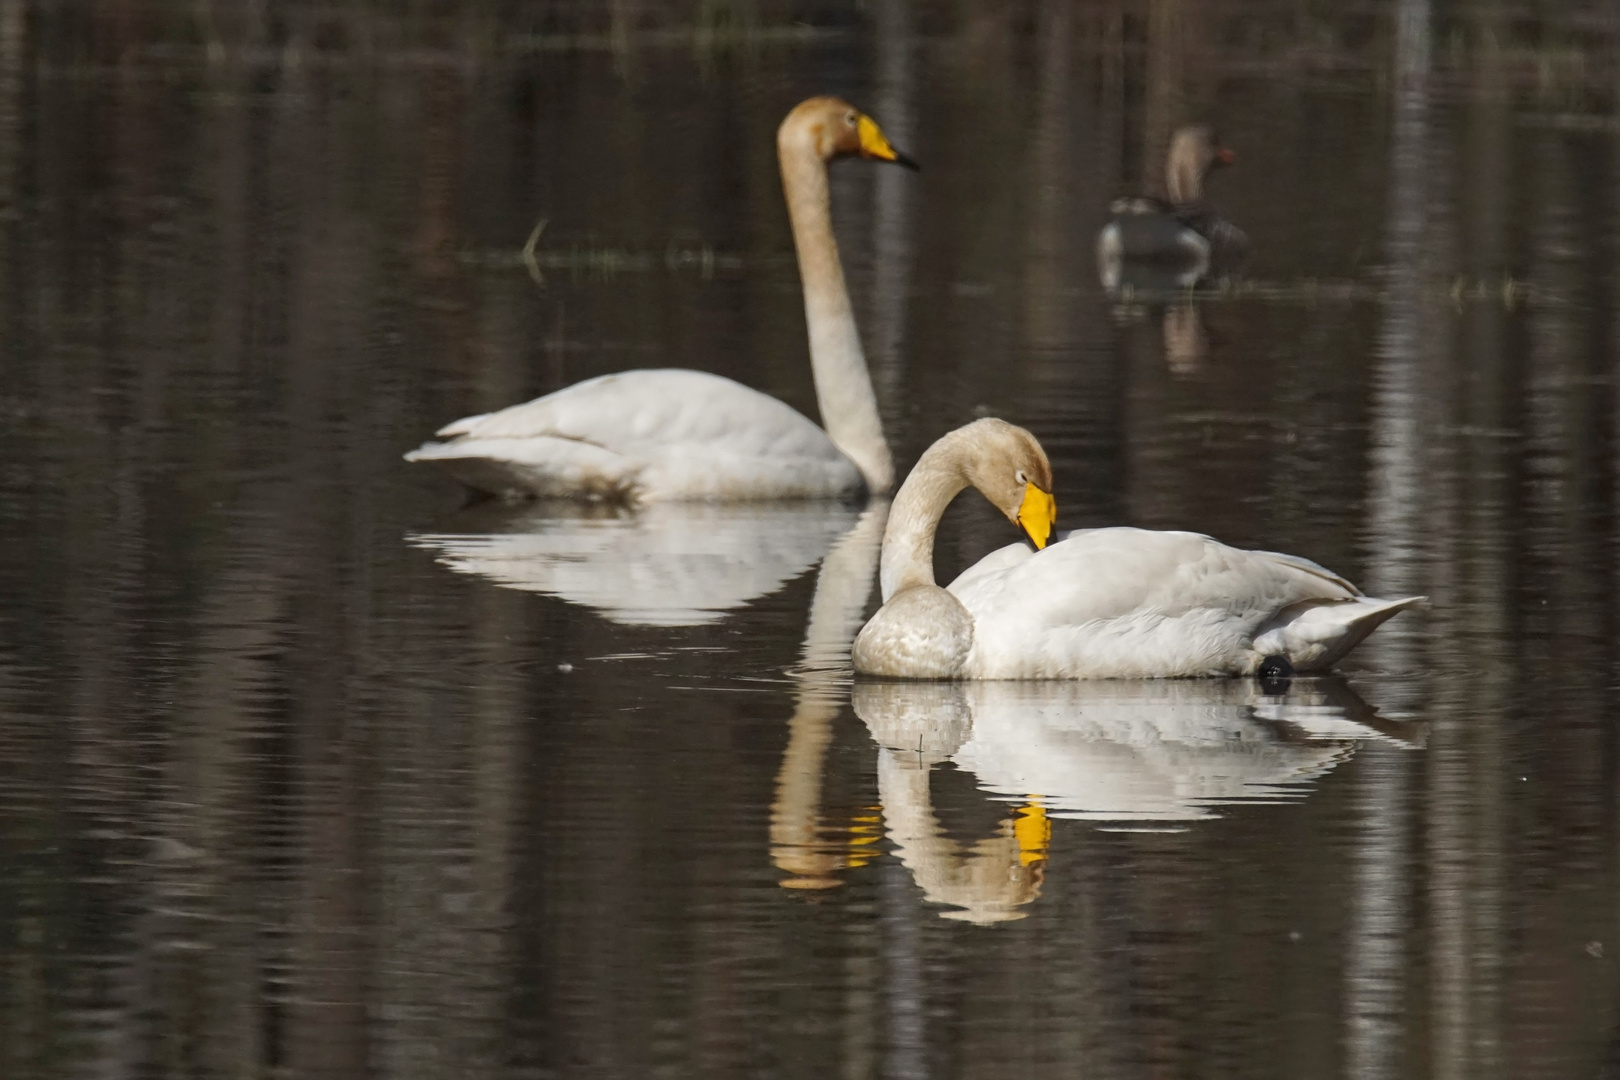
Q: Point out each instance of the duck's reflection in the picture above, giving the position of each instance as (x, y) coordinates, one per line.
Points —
(667, 564)
(1184, 339)
(1185, 342)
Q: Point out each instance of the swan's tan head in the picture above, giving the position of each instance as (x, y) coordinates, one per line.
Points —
(833, 128)
(1009, 468)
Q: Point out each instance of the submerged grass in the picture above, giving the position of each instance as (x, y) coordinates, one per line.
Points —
(1461, 291)
(610, 262)
(606, 263)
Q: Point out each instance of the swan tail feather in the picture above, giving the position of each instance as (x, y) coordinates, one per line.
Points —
(464, 426)
(1316, 634)
(1314, 569)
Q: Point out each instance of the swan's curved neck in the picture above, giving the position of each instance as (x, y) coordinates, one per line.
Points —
(844, 393)
(908, 541)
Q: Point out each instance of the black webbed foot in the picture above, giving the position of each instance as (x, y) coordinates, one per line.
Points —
(1274, 674)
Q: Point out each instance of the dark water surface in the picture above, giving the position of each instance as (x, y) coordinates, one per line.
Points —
(307, 770)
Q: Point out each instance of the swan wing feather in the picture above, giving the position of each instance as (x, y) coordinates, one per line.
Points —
(1123, 602)
(648, 434)
(1100, 574)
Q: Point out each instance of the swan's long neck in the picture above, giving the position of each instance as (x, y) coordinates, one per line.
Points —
(908, 541)
(849, 411)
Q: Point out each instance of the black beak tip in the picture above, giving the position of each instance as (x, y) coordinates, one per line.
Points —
(901, 159)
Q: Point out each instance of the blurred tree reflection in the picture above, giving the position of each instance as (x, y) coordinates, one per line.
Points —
(278, 794)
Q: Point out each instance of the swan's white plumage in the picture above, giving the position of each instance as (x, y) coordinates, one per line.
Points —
(655, 436)
(648, 436)
(1134, 603)
(1114, 603)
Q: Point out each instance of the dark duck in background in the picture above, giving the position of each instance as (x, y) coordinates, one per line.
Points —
(1175, 242)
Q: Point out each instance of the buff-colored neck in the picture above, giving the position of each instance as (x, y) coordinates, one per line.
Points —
(799, 831)
(1184, 173)
(990, 880)
(908, 541)
(849, 412)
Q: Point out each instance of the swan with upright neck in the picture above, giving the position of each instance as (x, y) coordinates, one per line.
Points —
(1101, 603)
(661, 435)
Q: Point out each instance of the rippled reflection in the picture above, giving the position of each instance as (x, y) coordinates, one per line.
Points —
(668, 564)
(809, 848)
(1165, 751)
(1126, 755)
(281, 795)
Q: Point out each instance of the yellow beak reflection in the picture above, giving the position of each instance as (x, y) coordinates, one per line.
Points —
(1037, 514)
(875, 145)
(1034, 833)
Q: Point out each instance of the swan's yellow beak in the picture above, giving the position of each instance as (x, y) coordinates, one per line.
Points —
(875, 145)
(1037, 514)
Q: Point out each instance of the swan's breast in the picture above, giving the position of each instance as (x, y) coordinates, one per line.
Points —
(921, 633)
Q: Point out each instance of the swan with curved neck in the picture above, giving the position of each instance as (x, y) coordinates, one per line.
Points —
(1101, 603)
(651, 435)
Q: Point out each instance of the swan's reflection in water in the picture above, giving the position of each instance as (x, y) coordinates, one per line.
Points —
(1159, 754)
(1128, 755)
(1165, 751)
(986, 881)
(667, 564)
(811, 851)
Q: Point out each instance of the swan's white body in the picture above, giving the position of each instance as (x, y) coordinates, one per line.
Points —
(1125, 603)
(1116, 603)
(648, 436)
(654, 436)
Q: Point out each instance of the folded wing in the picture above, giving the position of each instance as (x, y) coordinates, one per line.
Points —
(646, 436)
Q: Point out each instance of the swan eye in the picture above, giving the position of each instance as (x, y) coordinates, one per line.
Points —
(1020, 477)
(850, 119)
